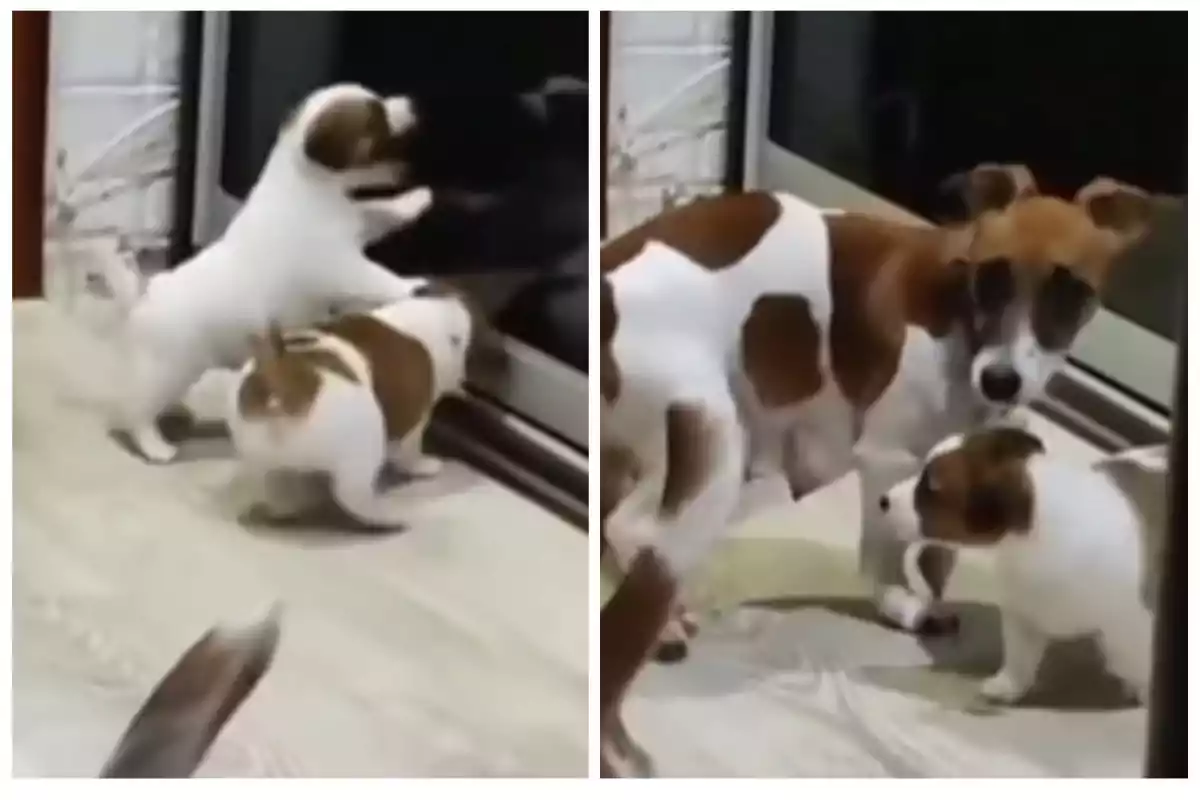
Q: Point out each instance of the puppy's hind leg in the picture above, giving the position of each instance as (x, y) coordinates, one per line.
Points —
(408, 457)
(154, 384)
(354, 480)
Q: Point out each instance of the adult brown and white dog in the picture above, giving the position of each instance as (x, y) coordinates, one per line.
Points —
(747, 328)
(294, 250)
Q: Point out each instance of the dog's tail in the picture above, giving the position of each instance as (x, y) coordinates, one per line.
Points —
(173, 730)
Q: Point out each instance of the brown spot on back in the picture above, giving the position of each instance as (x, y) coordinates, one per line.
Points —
(781, 347)
(402, 376)
(348, 133)
(981, 491)
(715, 232)
(885, 277)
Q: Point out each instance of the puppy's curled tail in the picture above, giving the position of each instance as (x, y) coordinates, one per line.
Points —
(173, 730)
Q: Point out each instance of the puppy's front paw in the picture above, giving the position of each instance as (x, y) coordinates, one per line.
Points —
(413, 203)
(1002, 688)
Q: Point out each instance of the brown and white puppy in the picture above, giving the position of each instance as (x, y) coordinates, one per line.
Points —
(170, 734)
(294, 249)
(837, 342)
(1068, 541)
(342, 399)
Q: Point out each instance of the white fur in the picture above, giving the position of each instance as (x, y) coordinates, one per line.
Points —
(1077, 572)
(677, 341)
(343, 435)
(294, 249)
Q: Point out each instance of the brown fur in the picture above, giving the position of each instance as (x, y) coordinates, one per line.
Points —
(288, 371)
(349, 133)
(781, 350)
(883, 278)
(715, 232)
(289, 377)
(689, 456)
(980, 491)
(401, 370)
(629, 627)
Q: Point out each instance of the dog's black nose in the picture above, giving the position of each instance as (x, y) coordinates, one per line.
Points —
(884, 503)
(1000, 383)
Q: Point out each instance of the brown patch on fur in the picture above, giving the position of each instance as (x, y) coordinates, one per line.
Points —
(630, 624)
(715, 232)
(348, 133)
(689, 456)
(885, 277)
(402, 376)
(781, 350)
(979, 492)
(285, 381)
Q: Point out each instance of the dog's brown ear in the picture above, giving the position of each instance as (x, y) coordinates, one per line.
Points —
(990, 187)
(349, 133)
(1121, 207)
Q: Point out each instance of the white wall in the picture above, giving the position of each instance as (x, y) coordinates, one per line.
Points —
(108, 72)
(667, 122)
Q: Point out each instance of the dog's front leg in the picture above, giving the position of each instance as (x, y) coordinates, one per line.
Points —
(704, 464)
(1024, 646)
(881, 553)
(362, 285)
(382, 215)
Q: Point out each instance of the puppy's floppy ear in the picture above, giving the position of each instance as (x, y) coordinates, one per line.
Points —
(990, 187)
(348, 133)
(1121, 207)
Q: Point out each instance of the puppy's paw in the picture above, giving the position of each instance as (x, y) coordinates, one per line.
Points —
(1002, 688)
(412, 203)
(153, 447)
(423, 467)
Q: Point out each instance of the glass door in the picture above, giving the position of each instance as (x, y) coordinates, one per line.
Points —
(868, 111)
(515, 234)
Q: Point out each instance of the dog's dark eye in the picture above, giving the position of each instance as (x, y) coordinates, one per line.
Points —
(994, 286)
(1061, 308)
(456, 340)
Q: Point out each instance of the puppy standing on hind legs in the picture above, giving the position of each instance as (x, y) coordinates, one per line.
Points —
(349, 397)
(293, 250)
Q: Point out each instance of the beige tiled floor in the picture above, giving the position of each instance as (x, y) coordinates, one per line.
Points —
(428, 652)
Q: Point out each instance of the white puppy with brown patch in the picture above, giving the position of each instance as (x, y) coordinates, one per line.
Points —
(294, 250)
(342, 399)
(1068, 543)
